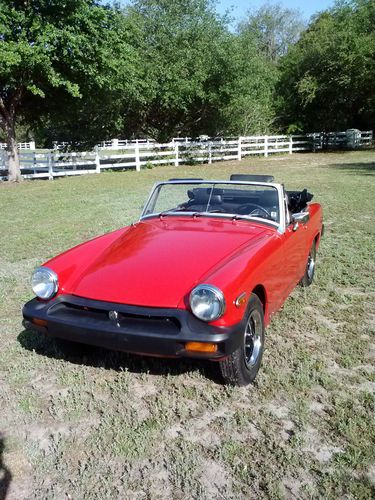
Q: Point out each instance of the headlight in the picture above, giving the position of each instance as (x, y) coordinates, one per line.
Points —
(44, 282)
(207, 302)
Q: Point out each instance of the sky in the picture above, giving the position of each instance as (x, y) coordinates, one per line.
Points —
(239, 8)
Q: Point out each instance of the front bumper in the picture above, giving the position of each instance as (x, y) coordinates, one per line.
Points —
(142, 330)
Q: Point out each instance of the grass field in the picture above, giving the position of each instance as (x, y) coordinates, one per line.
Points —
(110, 425)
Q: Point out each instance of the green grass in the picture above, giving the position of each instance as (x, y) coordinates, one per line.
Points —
(111, 425)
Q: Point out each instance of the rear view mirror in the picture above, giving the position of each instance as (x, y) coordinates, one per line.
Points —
(299, 218)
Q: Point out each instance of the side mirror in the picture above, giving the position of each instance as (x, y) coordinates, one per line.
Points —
(300, 218)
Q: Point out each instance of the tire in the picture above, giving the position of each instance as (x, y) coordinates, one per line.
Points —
(242, 366)
(308, 277)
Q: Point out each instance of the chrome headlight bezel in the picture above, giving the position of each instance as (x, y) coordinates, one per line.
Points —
(218, 302)
(44, 283)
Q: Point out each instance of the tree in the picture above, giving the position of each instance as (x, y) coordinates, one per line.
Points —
(183, 50)
(328, 78)
(273, 28)
(247, 108)
(57, 57)
(262, 38)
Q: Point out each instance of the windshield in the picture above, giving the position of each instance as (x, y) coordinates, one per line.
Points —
(258, 201)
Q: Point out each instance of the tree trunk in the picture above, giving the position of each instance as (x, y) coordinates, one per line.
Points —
(14, 170)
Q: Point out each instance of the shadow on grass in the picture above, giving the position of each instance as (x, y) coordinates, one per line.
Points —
(5, 475)
(363, 168)
(115, 360)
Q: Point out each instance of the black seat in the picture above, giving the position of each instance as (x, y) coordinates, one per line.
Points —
(297, 200)
(199, 198)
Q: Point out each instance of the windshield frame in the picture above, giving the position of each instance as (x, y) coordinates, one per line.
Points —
(279, 188)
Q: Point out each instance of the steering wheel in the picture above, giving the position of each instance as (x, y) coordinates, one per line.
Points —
(246, 207)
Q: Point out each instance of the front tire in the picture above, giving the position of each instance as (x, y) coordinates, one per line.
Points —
(242, 366)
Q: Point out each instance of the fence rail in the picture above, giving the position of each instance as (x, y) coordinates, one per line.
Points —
(21, 145)
(138, 154)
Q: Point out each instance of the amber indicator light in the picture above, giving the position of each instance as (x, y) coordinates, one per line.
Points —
(39, 322)
(201, 347)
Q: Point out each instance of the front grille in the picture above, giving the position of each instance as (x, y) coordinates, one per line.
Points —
(127, 320)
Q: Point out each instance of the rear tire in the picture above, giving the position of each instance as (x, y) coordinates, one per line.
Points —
(242, 366)
(308, 277)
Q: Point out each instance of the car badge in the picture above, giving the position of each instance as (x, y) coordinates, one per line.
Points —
(113, 316)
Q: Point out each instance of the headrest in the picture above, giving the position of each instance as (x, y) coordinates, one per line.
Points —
(202, 195)
(252, 178)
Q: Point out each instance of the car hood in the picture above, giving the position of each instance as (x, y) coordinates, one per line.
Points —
(157, 262)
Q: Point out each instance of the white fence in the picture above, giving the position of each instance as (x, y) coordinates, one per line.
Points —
(21, 145)
(140, 154)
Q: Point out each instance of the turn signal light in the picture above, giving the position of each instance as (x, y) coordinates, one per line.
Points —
(39, 322)
(201, 347)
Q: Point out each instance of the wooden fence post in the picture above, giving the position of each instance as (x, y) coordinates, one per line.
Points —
(176, 161)
(266, 146)
(239, 155)
(50, 165)
(97, 160)
(210, 153)
(290, 145)
(34, 162)
(74, 160)
(137, 158)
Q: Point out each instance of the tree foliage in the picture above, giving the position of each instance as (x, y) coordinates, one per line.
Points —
(183, 48)
(273, 28)
(328, 77)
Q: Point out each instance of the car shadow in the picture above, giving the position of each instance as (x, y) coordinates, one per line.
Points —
(5, 475)
(363, 168)
(115, 360)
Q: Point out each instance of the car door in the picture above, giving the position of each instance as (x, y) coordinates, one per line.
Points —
(294, 249)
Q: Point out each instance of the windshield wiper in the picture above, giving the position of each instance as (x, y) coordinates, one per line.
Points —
(242, 217)
(171, 210)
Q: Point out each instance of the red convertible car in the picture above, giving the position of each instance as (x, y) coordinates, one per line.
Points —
(199, 275)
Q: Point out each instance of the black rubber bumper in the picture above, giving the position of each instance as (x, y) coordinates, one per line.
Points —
(151, 331)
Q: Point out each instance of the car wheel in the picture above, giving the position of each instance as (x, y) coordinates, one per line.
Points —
(242, 366)
(308, 277)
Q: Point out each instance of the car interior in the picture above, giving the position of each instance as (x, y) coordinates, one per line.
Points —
(260, 202)
(256, 201)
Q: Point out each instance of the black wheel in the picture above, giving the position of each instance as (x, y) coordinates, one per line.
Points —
(242, 366)
(308, 277)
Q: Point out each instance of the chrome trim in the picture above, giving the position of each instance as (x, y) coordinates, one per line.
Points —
(253, 339)
(310, 266)
(235, 217)
(301, 217)
(216, 291)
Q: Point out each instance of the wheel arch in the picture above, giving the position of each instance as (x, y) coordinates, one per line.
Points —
(260, 291)
(317, 239)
